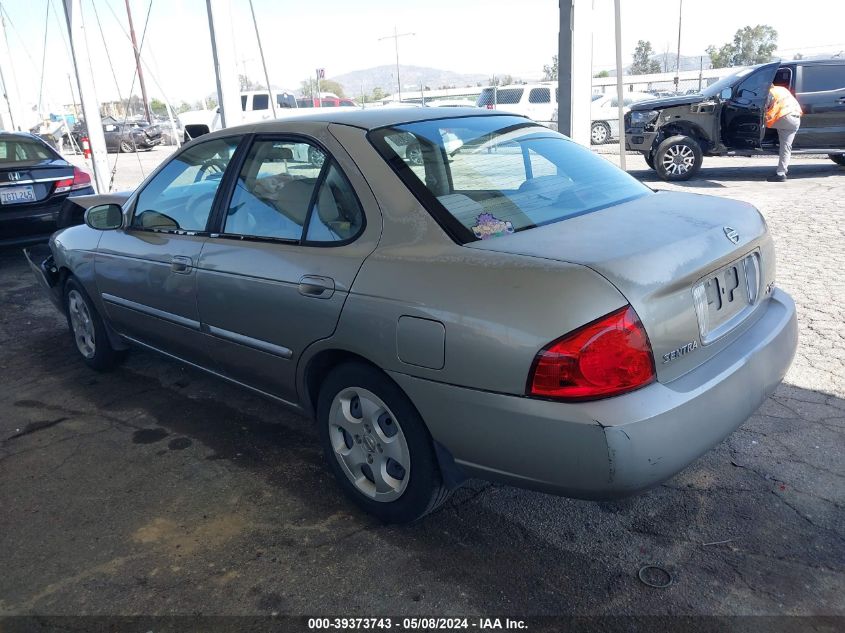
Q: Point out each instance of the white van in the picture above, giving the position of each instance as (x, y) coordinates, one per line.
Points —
(256, 104)
(536, 101)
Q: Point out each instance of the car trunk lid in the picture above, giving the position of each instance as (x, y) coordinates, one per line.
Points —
(695, 268)
(40, 175)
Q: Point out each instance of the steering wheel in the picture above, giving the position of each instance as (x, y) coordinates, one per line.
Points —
(210, 166)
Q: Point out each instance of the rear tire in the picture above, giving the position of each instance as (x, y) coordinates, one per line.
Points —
(365, 421)
(678, 158)
(839, 159)
(599, 133)
(88, 329)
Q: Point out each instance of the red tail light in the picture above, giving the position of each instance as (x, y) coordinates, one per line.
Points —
(80, 180)
(607, 357)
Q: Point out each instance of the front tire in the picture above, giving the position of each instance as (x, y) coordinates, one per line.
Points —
(649, 159)
(599, 133)
(125, 147)
(678, 158)
(839, 159)
(377, 445)
(88, 330)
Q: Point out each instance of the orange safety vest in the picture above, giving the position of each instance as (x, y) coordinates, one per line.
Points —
(782, 104)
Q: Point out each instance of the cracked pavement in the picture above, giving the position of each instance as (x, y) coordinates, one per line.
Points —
(159, 490)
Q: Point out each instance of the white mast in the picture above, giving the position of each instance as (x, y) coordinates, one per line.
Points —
(85, 82)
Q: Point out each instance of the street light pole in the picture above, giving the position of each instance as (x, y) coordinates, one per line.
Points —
(395, 37)
(678, 56)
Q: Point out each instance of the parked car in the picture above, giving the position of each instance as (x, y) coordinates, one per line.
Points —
(536, 101)
(123, 136)
(521, 311)
(604, 113)
(726, 118)
(34, 182)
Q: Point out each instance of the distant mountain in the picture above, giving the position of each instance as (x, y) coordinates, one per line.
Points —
(384, 77)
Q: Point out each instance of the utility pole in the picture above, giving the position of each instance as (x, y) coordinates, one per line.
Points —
(678, 57)
(85, 83)
(263, 63)
(225, 67)
(619, 91)
(395, 37)
(138, 66)
(10, 81)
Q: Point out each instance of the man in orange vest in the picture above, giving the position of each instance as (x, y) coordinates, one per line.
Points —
(783, 113)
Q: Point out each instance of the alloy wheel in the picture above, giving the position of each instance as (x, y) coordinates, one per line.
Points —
(369, 444)
(82, 324)
(598, 134)
(678, 159)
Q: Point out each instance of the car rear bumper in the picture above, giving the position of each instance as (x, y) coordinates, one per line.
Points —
(40, 259)
(639, 140)
(21, 225)
(618, 446)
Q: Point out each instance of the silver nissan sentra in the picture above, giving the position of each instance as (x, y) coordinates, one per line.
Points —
(506, 305)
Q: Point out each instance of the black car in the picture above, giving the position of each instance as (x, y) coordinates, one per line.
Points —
(726, 118)
(123, 136)
(35, 181)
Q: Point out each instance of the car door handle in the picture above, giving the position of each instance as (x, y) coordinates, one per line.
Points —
(316, 286)
(181, 265)
(840, 100)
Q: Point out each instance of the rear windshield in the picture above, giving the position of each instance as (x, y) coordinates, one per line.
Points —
(23, 150)
(488, 176)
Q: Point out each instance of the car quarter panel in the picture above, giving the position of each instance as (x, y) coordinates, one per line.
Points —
(617, 446)
(498, 310)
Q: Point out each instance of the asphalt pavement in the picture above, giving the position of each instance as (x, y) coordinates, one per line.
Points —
(157, 489)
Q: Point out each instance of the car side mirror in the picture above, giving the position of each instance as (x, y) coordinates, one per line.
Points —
(104, 217)
(726, 94)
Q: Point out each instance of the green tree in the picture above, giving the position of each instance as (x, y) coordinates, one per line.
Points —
(643, 63)
(550, 71)
(158, 107)
(601, 74)
(751, 45)
(330, 85)
(378, 94)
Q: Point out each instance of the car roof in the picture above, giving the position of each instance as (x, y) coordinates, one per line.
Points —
(7, 135)
(368, 119)
(814, 62)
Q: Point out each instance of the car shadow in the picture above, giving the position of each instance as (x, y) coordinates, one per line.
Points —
(714, 176)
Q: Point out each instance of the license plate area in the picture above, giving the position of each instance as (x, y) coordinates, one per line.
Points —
(725, 297)
(16, 195)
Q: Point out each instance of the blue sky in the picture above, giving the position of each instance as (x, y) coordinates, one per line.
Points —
(486, 36)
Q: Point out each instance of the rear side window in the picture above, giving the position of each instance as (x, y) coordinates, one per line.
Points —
(23, 150)
(305, 103)
(285, 101)
(821, 78)
(286, 186)
(499, 96)
(243, 102)
(260, 102)
(540, 95)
